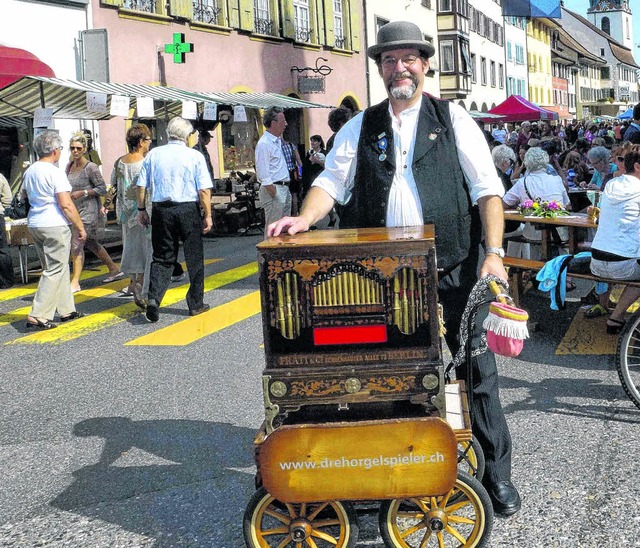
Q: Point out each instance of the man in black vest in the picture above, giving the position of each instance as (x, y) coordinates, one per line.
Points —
(411, 160)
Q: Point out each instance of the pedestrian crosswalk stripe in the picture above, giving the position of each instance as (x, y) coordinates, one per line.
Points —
(192, 329)
(587, 337)
(112, 316)
(30, 289)
(105, 290)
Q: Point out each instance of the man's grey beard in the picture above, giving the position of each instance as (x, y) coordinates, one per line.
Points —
(403, 93)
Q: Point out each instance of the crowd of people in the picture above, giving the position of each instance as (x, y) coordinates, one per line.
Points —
(540, 160)
(161, 200)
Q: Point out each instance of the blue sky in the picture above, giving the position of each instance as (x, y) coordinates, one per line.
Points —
(581, 6)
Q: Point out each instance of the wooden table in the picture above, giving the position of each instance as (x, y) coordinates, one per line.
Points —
(572, 221)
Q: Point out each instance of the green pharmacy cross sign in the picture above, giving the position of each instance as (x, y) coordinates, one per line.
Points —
(178, 47)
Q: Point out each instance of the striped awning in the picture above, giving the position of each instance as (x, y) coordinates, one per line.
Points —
(68, 98)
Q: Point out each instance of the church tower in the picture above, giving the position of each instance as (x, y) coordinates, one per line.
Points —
(614, 18)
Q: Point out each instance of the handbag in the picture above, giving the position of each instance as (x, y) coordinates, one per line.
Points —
(19, 208)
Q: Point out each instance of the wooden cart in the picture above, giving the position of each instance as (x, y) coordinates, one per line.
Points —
(356, 404)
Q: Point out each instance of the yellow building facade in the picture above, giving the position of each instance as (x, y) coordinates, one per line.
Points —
(539, 62)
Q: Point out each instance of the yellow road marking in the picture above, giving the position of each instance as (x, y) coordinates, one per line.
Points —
(30, 289)
(587, 337)
(112, 316)
(192, 329)
(105, 290)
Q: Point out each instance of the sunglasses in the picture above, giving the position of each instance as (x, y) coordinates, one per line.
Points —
(76, 148)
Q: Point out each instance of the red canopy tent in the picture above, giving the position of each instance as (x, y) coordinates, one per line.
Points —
(16, 63)
(517, 109)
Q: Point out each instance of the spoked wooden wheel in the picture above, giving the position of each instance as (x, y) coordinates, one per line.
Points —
(462, 517)
(471, 458)
(269, 523)
(628, 358)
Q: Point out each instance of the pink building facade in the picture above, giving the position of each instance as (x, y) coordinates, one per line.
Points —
(229, 55)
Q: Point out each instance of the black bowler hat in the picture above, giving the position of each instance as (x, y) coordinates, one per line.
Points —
(400, 35)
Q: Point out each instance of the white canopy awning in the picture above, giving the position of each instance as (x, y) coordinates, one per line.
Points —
(67, 98)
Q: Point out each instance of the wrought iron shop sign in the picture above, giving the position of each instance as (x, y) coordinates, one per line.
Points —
(311, 84)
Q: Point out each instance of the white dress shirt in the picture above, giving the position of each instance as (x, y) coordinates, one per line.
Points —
(404, 207)
(271, 165)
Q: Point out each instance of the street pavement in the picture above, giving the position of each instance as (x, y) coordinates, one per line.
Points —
(115, 432)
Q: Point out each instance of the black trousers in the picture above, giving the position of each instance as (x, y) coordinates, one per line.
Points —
(171, 223)
(489, 423)
(6, 264)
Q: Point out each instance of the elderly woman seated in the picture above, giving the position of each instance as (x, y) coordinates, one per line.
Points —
(616, 247)
(537, 184)
(603, 168)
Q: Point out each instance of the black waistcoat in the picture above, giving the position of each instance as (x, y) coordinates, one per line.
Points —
(443, 192)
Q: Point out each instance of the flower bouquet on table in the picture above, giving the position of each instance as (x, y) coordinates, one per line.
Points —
(542, 208)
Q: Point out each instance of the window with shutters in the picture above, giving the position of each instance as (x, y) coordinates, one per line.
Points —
(483, 71)
(465, 56)
(501, 75)
(262, 21)
(302, 20)
(492, 73)
(148, 6)
(444, 5)
(339, 37)
(447, 63)
(474, 72)
(208, 11)
(509, 53)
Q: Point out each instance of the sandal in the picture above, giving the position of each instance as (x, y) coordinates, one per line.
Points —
(614, 326)
(71, 316)
(114, 277)
(596, 311)
(39, 324)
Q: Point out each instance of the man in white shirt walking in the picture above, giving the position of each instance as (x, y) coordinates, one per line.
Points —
(178, 180)
(271, 167)
(414, 159)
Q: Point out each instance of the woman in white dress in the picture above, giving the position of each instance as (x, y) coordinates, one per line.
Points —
(136, 239)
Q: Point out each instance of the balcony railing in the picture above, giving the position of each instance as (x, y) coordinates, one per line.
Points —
(263, 26)
(340, 42)
(148, 6)
(206, 13)
(303, 35)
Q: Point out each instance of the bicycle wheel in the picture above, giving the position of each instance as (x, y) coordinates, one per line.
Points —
(628, 358)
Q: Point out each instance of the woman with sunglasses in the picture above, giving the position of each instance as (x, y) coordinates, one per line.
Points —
(88, 187)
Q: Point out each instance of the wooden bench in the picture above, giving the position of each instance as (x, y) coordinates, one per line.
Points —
(516, 266)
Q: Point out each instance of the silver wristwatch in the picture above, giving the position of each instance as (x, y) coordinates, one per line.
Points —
(496, 251)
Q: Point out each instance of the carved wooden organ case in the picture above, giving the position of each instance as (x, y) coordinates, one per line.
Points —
(349, 317)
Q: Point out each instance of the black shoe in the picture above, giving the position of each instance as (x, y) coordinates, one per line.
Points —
(153, 311)
(204, 308)
(504, 497)
(73, 316)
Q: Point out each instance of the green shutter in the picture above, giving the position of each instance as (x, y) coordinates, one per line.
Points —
(234, 13)
(288, 19)
(354, 23)
(118, 3)
(319, 22)
(328, 22)
(246, 14)
(181, 8)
